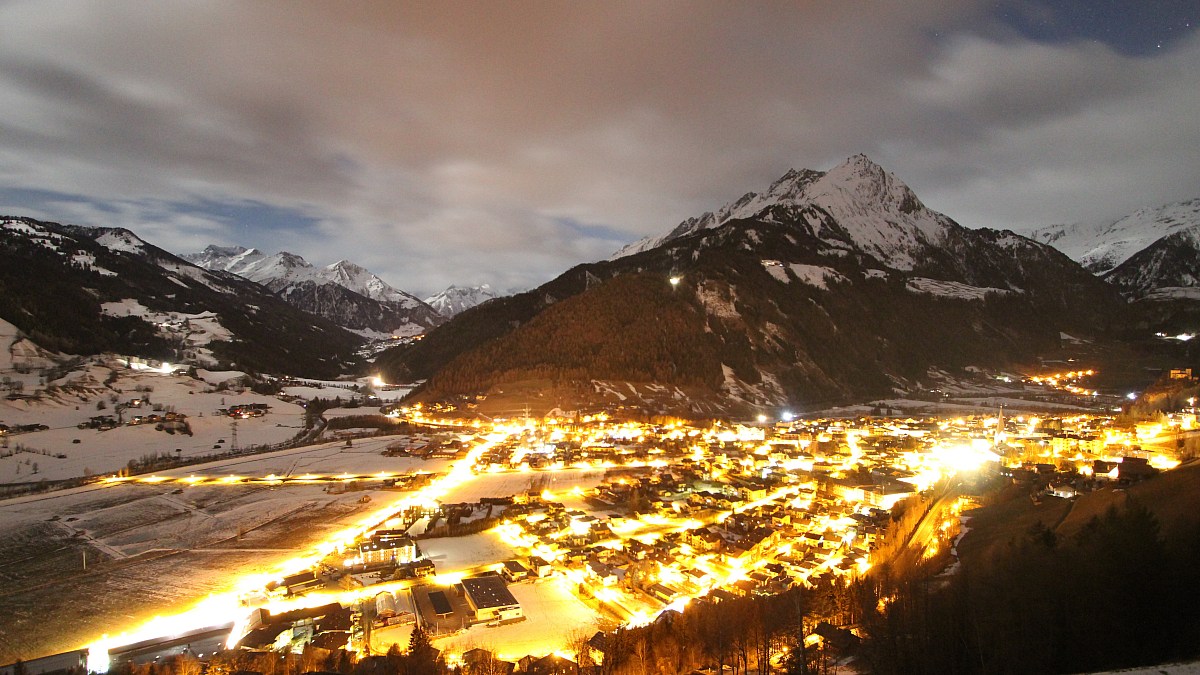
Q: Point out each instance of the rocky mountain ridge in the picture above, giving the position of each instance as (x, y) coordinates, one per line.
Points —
(343, 292)
(457, 299)
(86, 290)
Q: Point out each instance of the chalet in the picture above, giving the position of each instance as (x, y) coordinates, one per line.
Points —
(606, 574)
(551, 664)
(1104, 470)
(663, 592)
(481, 661)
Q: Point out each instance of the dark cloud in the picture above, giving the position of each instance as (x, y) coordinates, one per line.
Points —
(491, 142)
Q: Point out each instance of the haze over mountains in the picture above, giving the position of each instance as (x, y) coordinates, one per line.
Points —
(824, 286)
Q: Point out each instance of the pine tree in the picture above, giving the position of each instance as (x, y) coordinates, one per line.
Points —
(422, 660)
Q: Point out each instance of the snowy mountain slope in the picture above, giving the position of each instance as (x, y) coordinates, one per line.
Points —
(253, 264)
(457, 299)
(86, 290)
(1101, 247)
(825, 287)
(358, 279)
(343, 292)
(874, 212)
(1171, 262)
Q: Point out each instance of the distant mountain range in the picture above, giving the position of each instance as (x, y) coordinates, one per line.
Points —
(85, 290)
(343, 292)
(457, 299)
(1102, 246)
(823, 287)
(1151, 254)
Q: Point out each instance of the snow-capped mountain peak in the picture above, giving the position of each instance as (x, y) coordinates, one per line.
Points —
(362, 281)
(343, 292)
(457, 299)
(1102, 246)
(120, 239)
(876, 212)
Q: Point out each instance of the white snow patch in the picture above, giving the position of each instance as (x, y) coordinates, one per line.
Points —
(121, 241)
(194, 330)
(952, 289)
(816, 275)
(1174, 293)
(456, 553)
(215, 377)
(88, 262)
(775, 269)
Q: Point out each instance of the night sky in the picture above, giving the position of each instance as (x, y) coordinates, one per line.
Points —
(442, 143)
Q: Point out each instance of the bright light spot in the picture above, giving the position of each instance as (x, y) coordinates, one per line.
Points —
(675, 281)
(97, 659)
(1131, 396)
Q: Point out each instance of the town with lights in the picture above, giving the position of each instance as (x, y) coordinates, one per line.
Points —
(610, 526)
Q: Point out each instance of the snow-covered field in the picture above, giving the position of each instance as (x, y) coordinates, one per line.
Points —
(507, 484)
(74, 399)
(450, 554)
(553, 614)
(99, 384)
(156, 549)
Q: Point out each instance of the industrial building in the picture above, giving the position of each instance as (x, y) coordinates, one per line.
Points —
(490, 599)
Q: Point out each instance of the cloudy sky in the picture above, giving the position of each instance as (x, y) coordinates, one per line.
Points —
(502, 142)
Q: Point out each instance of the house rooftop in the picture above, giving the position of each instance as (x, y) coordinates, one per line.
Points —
(489, 591)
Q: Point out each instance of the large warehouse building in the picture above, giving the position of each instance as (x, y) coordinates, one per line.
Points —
(490, 599)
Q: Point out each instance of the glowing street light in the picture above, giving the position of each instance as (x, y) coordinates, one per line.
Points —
(675, 281)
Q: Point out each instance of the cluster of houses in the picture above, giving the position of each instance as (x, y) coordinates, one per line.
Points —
(730, 511)
(245, 410)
